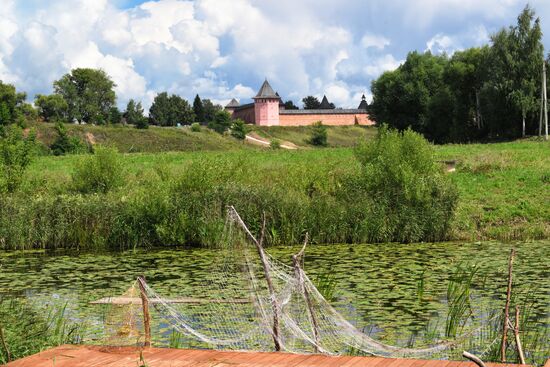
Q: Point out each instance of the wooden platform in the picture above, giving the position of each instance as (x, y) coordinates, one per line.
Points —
(68, 355)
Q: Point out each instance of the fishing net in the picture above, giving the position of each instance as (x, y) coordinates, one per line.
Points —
(123, 320)
(252, 301)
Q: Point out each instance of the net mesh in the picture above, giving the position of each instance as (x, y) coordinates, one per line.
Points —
(252, 301)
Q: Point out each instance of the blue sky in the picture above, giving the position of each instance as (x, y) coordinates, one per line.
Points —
(225, 48)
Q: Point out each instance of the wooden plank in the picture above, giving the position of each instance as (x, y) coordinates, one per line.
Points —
(76, 356)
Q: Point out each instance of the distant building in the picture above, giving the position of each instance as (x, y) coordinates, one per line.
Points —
(267, 110)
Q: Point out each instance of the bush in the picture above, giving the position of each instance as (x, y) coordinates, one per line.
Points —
(239, 129)
(99, 173)
(318, 135)
(195, 127)
(275, 144)
(16, 153)
(401, 190)
(221, 122)
(65, 144)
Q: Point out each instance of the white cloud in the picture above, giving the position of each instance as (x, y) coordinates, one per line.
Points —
(444, 43)
(381, 64)
(371, 40)
(224, 49)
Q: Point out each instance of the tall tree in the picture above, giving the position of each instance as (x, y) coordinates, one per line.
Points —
(198, 109)
(89, 94)
(170, 110)
(210, 110)
(311, 103)
(403, 98)
(134, 115)
(465, 74)
(514, 72)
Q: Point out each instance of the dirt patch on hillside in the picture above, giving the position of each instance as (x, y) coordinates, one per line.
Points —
(254, 138)
(90, 138)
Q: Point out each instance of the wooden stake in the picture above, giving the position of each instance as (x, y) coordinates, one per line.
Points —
(518, 340)
(298, 274)
(146, 314)
(265, 265)
(473, 358)
(507, 307)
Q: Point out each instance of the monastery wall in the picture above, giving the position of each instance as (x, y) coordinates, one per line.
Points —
(246, 114)
(332, 119)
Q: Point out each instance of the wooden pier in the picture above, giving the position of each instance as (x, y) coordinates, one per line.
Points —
(79, 356)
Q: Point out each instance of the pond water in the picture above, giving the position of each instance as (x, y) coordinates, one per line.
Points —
(393, 291)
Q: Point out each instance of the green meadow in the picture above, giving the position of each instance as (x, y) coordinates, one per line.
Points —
(503, 193)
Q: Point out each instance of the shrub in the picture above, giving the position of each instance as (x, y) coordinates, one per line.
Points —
(195, 127)
(275, 144)
(318, 135)
(239, 129)
(16, 153)
(401, 190)
(221, 122)
(65, 144)
(98, 173)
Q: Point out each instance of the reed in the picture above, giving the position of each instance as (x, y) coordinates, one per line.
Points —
(27, 330)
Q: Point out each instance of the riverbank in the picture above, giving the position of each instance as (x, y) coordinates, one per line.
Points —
(178, 198)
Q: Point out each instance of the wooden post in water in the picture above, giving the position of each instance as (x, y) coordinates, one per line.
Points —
(146, 314)
(507, 308)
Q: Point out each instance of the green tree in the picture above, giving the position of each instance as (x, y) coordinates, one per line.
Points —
(402, 98)
(16, 152)
(289, 105)
(221, 122)
(170, 110)
(239, 129)
(515, 76)
(134, 115)
(10, 101)
(89, 94)
(198, 109)
(210, 110)
(465, 75)
(115, 116)
(311, 103)
(52, 107)
(318, 135)
(65, 144)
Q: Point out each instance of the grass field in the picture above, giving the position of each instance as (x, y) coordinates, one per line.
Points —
(504, 187)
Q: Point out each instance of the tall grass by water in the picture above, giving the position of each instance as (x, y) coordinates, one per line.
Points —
(26, 329)
(184, 203)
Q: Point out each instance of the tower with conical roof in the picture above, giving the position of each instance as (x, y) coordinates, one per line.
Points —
(266, 106)
(363, 105)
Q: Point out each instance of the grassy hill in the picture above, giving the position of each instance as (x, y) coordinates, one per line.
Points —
(128, 139)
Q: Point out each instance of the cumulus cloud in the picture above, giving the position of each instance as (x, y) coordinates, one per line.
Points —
(224, 49)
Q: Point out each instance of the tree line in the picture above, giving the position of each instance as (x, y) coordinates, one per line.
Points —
(481, 93)
(87, 96)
